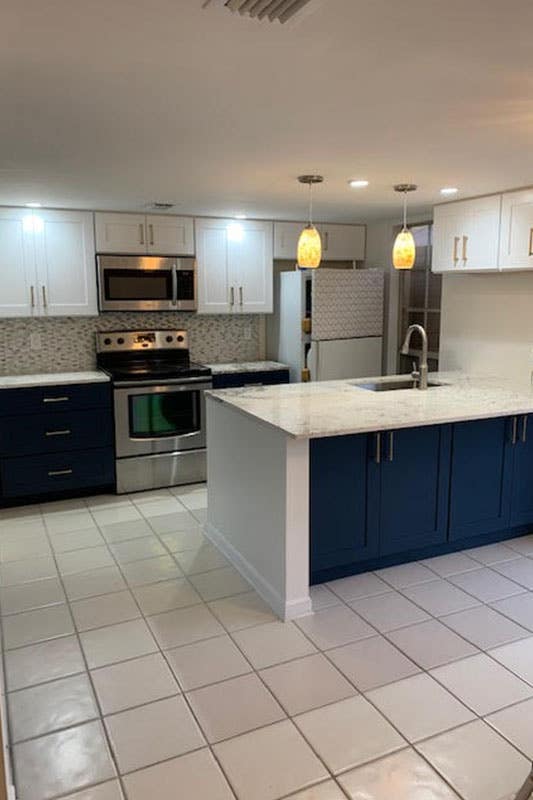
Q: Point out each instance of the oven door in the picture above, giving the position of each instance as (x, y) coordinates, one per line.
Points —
(159, 418)
(146, 283)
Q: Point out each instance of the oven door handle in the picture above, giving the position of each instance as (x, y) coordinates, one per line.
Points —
(174, 285)
(196, 383)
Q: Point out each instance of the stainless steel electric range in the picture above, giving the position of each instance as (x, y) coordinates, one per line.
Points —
(159, 408)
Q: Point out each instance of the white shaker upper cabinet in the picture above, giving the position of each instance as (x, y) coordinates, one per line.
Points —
(516, 238)
(120, 233)
(286, 235)
(466, 235)
(339, 242)
(235, 270)
(65, 260)
(166, 235)
(18, 279)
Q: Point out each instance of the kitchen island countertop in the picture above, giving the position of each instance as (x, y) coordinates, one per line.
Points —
(246, 366)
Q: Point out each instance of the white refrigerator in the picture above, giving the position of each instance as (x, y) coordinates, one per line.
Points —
(329, 321)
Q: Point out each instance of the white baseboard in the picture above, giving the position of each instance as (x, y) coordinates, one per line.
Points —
(286, 611)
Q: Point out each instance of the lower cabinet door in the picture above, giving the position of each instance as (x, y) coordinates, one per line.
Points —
(342, 481)
(414, 488)
(481, 477)
(57, 472)
(522, 497)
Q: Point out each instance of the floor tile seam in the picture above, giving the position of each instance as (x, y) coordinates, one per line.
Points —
(477, 601)
(505, 736)
(507, 616)
(7, 614)
(463, 636)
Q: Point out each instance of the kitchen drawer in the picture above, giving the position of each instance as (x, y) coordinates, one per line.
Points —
(232, 380)
(57, 472)
(69, 397)
(36, 434)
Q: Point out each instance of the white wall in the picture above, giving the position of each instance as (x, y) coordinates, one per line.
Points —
(379, 242)
(487, 324)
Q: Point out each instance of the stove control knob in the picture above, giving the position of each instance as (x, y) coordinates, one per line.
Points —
(180, 338)
(107, 340)
(169, 338)
(120, 340)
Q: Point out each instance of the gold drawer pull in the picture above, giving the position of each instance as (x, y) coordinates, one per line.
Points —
(55, 399)
(56, 472)
(66, 432)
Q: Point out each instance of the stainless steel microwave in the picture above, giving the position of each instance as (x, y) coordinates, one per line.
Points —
(146, 283)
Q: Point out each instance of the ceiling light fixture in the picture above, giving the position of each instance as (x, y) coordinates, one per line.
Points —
(448, 190)
(404, 250)
(33, 205)
(358, 184)
(241, 216)
(310, 243)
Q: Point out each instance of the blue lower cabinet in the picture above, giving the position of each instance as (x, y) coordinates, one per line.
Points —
(522, 494)
(43, 399)
(36, 434)
(234, 380)
(414, 491)
(58, 472)
(341, 492)
(481, 477)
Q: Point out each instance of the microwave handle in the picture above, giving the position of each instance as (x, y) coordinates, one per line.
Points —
(174, 285)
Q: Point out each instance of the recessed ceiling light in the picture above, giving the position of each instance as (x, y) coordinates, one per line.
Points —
(241, 216)
(358, 184)
(33, 205)
(449, 190)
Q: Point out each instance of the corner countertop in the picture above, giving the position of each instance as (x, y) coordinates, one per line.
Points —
(51, 379)
(336, 408)
(246, 366)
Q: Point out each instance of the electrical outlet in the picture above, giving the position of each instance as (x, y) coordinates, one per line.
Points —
(247, 333)
(35, 341)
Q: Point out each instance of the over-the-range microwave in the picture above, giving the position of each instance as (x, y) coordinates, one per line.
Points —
(146, 283)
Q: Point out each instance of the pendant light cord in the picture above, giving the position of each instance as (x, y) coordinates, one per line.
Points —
(405, 211)
(310, 204)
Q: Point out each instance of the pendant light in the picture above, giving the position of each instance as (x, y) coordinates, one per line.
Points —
(309, 243)
(404, 250)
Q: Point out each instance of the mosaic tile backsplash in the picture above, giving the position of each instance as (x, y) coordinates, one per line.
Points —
(68, 343)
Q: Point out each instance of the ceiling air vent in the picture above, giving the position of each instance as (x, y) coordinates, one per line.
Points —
(272, 10)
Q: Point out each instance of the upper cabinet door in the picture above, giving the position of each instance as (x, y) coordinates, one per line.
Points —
(286, 235)
(65, 259)
(342, 242)
(466, 235)
(173, 236)
(251, 266)
(214, 293)
(516, 239)
(120, 233)
(18, 281)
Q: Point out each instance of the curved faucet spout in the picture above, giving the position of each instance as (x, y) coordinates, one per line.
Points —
(420, 375)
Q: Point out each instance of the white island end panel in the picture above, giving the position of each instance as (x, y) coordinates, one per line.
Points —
(258, 505)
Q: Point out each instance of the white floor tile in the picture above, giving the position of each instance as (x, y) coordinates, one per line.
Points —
(522, 545)
(269, 763)
(31, 627)
(51, 706)
(440, 597)
(93, 583)
(388, 611)
(402, 776)
(184, 540)
(84, 560)
(322, 597)
(118, 513)
(372, 662)
(333, 627)
(110, 790)
(76, 540)
(204, 559)
(43, 662)
(31, 569)
(108, 609)
(328, 790)
(25, 547)
(26, 597)
(206, 662)
(219, 583)
(519, 609)
(155, 598)
(157, 508)
(133, 683)
(137, 549)
(234, 707)
(117, 643)
(62, 762)
(155, 732)
(419, 707)
(406, 575)
(451, 564)
(242, 611)
(273, 643)
(431, 644)
(197, 774)
(125, 531)
(356, 586)
(490, 554)
(482, 684)
(518, 657)
(184, 626)
(170, 523)
(330, 730)
(477, 762)
(516, 725)
(307, 683)
(484, 627)
(151, 570)
(69, 521)
(519, 570)
(487, 585)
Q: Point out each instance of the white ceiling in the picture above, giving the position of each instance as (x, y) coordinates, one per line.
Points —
(116, 103)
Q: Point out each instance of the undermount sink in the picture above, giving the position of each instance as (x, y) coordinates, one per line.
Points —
(394, 385)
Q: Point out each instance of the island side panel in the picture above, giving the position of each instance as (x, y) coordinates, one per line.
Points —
(258, 505)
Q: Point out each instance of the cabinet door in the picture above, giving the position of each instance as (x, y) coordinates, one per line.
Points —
(120, 233)
(250, 266)
(172, 236)
(214, 294)
(447, 226)
(18, 279)
(481, 477)
(516, 239)
(466, 235)
(343, 493)
(342, 242)
(286, 235)
(522, 500)
(414, 488)
(66, 266)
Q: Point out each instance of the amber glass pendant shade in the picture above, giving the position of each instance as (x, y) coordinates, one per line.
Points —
(404, 250)
(309, 248)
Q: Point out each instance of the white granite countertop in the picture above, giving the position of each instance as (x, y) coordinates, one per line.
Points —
(334, 408)
(51, 379)
(246, 366)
